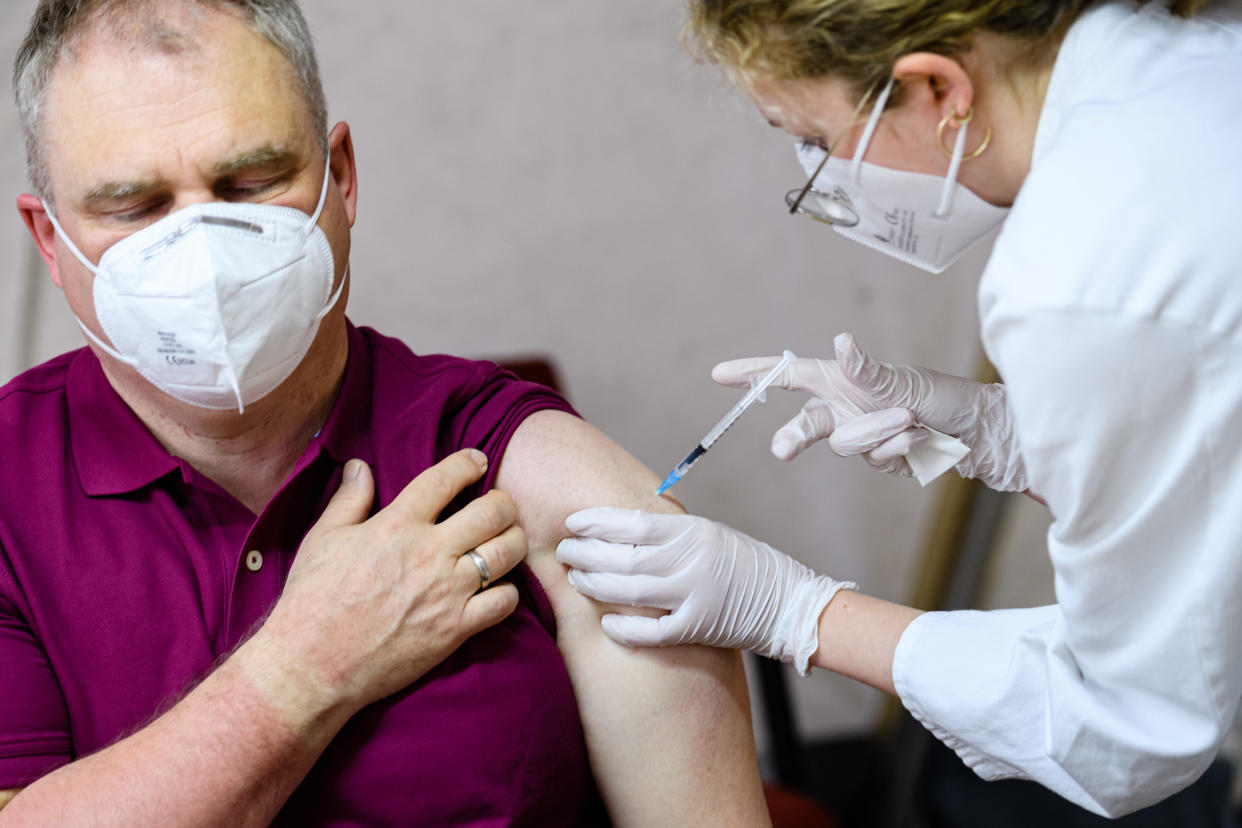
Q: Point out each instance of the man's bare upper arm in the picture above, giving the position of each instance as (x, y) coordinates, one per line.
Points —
(668, 730)
(7, 796)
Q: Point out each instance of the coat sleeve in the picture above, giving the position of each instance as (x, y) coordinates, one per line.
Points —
(1121, 693)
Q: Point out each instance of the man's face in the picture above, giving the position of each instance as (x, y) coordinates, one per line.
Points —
(133, 134)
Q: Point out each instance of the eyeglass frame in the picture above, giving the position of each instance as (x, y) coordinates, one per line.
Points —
(808, 187)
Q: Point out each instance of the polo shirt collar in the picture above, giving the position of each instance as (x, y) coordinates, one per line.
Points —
(347, 433)
(116, 454)
(112, 448)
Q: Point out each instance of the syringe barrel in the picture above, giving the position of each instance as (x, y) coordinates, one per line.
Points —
(691, 459)
(724, 425)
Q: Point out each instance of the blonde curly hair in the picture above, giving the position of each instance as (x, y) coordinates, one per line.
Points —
(860, 40)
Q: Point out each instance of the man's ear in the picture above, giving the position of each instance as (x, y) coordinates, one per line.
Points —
(934, 85)
(344, 170)
(34, 214)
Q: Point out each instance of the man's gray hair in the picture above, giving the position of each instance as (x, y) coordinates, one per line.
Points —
(57, 23)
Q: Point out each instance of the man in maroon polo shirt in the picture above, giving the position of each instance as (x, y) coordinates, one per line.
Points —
(247, 551)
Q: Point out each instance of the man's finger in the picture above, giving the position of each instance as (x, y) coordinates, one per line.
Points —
(500, 554)
(352, 501)
(427, 495)
(489, 607)
(627, 525)
(480, 520)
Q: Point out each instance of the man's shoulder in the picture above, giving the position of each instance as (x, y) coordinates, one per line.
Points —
(29, 397)
(393, 361)
(34, 431)
(401, 378)
(440, 400)
(49, 375)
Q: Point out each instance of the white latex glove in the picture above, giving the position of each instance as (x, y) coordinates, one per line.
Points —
(721, 587)
(898, 396)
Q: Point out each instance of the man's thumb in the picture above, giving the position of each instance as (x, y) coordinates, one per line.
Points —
(352, 502)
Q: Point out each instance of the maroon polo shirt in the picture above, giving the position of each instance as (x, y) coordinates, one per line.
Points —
(125, 575)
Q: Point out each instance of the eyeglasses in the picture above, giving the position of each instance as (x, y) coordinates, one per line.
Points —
(830, 208)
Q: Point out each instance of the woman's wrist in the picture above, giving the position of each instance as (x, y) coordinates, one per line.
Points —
(858, 636)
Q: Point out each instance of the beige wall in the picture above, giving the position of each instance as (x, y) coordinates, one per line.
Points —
(558, 178)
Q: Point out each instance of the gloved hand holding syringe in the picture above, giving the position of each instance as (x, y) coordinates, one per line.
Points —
(927, 460)
(755, 393)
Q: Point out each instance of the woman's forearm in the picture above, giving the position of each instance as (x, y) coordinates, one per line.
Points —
(858, 636)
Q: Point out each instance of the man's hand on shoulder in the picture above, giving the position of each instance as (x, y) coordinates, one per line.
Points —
(373, 604)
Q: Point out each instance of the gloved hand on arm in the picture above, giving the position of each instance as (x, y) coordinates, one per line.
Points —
(722, 588)
(902, 395)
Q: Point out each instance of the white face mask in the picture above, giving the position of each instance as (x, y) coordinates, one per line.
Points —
(215, 304)
(923, 220)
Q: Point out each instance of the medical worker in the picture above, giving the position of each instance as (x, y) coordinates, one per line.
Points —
(1105, 137)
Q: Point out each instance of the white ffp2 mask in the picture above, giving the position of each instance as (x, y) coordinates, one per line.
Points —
(218, 303)
(923, 220)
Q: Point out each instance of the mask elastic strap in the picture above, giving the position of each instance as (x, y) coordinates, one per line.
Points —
(104, 346)
(73, 248)
(241, 406)
(323, 193)
(869, 130)
(335, 296)
(950, 178)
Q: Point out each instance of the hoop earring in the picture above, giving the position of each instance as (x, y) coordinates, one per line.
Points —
(961, 121)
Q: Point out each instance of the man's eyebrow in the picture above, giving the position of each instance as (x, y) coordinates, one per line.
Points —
(268, 156)
(109, 193)
(113, 191)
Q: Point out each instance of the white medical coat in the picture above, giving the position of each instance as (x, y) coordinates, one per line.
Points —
(1112, 307)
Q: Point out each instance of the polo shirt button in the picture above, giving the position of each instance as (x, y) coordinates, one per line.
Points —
(254, 560)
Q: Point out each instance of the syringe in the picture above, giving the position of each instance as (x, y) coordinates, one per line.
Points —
(755, 393)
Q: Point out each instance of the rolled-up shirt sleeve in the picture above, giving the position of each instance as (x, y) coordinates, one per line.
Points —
(34, 725)
(1121, 693)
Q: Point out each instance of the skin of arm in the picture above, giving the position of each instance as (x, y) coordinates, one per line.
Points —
(226, 735)
(7, 796)
(858, 636)
(668, 730)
